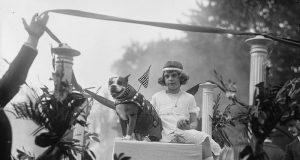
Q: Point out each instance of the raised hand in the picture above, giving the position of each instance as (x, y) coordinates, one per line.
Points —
(36, 28)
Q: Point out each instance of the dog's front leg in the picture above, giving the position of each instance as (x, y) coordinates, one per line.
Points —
(123, 124)
(131, 126)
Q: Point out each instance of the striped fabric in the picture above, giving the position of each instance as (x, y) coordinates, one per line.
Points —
(144, 79)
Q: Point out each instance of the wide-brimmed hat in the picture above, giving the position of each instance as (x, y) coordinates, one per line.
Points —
(173, 66)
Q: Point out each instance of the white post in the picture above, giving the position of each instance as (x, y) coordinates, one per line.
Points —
(63, 81)
(259, 51)
(207, 106)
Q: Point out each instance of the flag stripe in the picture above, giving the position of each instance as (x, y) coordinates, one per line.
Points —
(144, 79)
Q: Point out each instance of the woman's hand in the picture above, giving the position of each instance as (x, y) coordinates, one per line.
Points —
(183, 124)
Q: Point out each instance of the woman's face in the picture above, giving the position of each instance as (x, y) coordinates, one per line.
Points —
(172, 80)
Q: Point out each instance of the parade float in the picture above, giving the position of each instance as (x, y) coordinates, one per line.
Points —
(273, 102)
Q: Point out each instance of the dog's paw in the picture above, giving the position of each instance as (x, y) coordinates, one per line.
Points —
(146, 139)
(127, 137)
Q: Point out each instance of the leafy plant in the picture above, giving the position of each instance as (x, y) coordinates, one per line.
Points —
(219, 121)
(57, 119)
(23, 155)
(272, 105)
(121, 157)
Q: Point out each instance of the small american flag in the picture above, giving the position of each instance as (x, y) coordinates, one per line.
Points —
(144, 79)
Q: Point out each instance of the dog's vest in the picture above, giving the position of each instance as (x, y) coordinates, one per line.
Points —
(146, 113)
(130, 95)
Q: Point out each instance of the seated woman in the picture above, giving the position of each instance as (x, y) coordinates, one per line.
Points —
(178, 110)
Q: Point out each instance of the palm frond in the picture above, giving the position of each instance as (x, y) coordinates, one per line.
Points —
(50, 114)
(58, 116)
(121, 157)
(23, 155)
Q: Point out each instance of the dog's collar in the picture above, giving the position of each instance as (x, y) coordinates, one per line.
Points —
(128, 93)
(137, 99)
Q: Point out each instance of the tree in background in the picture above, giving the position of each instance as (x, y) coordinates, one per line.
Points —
(201, 53)
(275, 17)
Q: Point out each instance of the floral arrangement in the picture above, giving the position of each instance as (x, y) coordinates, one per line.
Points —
(272, 105)
(56, 121)
(56, 114)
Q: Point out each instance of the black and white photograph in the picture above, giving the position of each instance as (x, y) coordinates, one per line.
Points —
(150, 80)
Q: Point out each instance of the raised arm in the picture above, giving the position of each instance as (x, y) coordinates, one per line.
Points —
(17, 72)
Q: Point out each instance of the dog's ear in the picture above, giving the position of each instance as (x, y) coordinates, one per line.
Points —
(126, 77)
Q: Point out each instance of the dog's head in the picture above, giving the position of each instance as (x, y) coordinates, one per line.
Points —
(117, 85)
